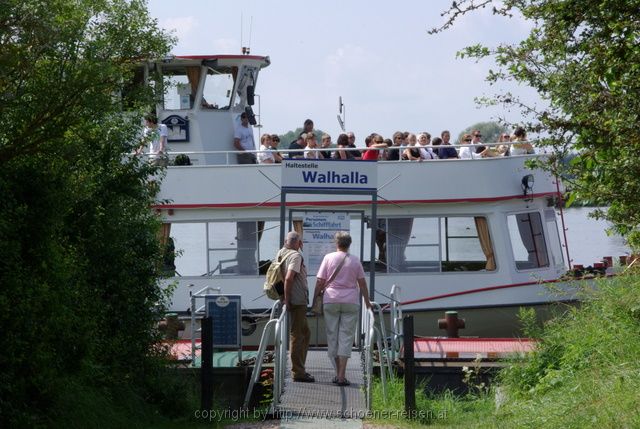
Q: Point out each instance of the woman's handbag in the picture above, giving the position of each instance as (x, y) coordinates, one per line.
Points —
(317, 307)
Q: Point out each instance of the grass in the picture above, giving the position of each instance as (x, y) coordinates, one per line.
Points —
(443, 410)
(585, 373)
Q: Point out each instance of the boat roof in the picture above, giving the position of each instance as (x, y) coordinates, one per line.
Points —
(222, 57)
(227, 59)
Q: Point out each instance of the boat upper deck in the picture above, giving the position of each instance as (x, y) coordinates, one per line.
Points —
(398, 182)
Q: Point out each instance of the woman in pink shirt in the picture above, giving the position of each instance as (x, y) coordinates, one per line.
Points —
(341, 301)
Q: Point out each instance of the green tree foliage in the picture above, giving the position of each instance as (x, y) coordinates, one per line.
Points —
(291, 136)
(583, 58)
(490, 131)
(78, 243)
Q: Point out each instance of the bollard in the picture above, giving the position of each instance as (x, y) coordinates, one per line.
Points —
(206, 369)
(409, 369)
(451, 324)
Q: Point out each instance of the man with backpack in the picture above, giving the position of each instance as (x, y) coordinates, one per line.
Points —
(296, 298)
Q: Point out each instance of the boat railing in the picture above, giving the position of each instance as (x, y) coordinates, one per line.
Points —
(228, 157)
(396, 322)
(372, 337)
(385, 359)
(275, 331)
(199, 311)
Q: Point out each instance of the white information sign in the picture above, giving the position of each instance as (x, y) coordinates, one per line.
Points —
(318, 238)
(328, 174)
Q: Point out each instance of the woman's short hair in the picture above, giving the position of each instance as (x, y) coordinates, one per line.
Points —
(265, 137)
(343, 239)
(343, 140)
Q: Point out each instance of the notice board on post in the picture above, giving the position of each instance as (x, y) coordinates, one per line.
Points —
(226, 315)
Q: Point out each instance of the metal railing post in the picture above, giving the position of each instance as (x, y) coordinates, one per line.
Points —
(276, 325)
(193, 330)
(409, 370)
(206, 370)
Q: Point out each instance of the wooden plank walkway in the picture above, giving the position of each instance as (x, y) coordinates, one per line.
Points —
(323, 399)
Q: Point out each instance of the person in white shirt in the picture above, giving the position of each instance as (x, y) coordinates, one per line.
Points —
(243, 141)
(265, 156)
(310, 139)
(519, 143)
(157, 137)
(268, 152)
(424, 139)
(479, 151)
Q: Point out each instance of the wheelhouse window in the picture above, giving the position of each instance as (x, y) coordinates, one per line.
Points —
(527, 240)
(180, 86)
(218, 88)
(435, 244)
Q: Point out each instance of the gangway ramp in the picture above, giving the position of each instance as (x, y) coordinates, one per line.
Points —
(324, 399)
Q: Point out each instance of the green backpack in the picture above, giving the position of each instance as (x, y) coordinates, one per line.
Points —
(274, 282)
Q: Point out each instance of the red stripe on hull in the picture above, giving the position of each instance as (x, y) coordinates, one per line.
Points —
(347, 203)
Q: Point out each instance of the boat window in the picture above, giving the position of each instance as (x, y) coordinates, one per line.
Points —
(224, 248)
(412, 245)
(233, 248)
(527, 240)
(180, 87)
(554, 238)
(190, 242)
(435, 244)
(466, 244)
(268, 243)
(218, 89)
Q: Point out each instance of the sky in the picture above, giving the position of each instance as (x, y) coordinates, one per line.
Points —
(376, 54)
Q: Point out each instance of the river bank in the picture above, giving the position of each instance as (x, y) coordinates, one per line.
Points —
(582, 375)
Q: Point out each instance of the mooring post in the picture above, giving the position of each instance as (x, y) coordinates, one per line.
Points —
(409, 370)
(206, 369)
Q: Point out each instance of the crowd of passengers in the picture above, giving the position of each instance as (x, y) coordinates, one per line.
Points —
(402, 146)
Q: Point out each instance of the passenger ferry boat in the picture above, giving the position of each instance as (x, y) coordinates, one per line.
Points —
(479, 236)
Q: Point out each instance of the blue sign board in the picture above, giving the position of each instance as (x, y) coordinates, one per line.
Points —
(226, 313)
(178, 128)
(329, 174)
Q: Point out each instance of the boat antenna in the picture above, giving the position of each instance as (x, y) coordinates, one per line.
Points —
(246, 50)
(250, 31)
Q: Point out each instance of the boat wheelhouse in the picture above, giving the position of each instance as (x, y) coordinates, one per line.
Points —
(477, 235)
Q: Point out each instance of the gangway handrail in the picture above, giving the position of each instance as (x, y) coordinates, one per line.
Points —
(385, 362)
(202, 293)
(372, 336)
(279, 327)
(396, 321)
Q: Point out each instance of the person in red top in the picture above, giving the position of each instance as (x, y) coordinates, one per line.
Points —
(375, 146)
